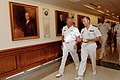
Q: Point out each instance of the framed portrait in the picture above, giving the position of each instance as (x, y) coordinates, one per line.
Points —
(60, 18)
(80, 23)
(24, 21)
(99, 21)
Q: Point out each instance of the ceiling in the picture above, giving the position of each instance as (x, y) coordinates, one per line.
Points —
(107, 8)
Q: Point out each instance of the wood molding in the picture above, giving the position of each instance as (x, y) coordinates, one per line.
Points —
(19, 59)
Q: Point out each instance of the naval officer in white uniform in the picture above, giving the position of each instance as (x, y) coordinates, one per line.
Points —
(104, 28)
(89, 35)
(70, 37)
(117, 29)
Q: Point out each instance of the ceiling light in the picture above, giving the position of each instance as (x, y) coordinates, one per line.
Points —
(99, 6)
(89, 7)
(75, 0)
(107, 14)
(107, 11)
(113, 16)
(112, 13)
(100, 11)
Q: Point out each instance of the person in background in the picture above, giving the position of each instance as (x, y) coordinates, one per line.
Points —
(104, 28)
(117, 30)
(70, 38)
(115, 37)
(89, 35)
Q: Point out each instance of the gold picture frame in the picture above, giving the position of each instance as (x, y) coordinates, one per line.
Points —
(24, 21)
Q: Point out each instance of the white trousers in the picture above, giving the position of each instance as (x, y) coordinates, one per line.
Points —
(103, 43)
(68, 47)
(87, 49)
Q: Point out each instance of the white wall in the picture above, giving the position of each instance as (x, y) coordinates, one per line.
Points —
(5, 26)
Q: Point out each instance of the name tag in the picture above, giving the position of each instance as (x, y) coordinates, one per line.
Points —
(91, 30)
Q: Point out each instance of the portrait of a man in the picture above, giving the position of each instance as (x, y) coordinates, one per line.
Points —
(24, 21)
(60, 21)
(80, 23)
(30, 27)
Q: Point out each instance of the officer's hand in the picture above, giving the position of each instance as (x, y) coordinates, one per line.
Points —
(62, 45)
(75, 46)
(87, 40)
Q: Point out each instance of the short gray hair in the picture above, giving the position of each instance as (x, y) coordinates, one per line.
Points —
(69, 19)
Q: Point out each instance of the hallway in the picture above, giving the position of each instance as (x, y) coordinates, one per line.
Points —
(102, 74)
(108, 70)
(111, 55)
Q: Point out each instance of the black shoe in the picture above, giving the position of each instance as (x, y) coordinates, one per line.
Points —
(118, 65)
(99, 62)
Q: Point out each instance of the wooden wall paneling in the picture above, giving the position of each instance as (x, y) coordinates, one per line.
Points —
(49, 52)
(42, 54)
(52, 52)
(24, 59)
(37, 56)
(2, 65)
(7, 63)
(16, 60)
(11, 63)
(58, 50)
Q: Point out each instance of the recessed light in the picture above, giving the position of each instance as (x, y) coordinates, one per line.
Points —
(112, 13)
(100, 11)
(107, 14)
(89, 7)
(107, 11)
(75, 0)
(113, 16)
(99, 6)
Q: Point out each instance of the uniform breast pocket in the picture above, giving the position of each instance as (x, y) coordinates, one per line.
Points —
(72, 33)
(92, 35)
(65, 32)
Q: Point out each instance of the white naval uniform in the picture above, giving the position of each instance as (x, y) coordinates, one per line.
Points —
(88, 48)
(104, 28)
(70, 35)
(117, 28)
